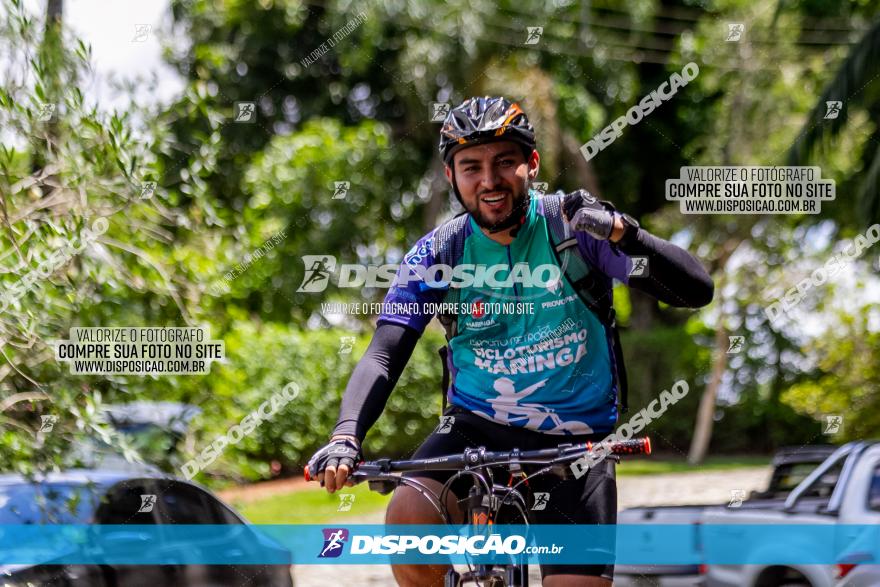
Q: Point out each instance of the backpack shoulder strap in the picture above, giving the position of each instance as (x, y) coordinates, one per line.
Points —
(448, 248)
(592, 290)
(577, 269)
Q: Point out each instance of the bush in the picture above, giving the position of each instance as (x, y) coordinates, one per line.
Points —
(262, 359)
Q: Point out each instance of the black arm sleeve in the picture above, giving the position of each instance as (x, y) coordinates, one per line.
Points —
(374, 377)
(675, 277)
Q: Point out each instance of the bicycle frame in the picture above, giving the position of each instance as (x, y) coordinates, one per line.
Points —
(485, 497)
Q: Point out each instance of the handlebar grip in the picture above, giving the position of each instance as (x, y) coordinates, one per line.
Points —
(633, 446)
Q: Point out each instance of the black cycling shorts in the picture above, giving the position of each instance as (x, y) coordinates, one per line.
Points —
(591, 499)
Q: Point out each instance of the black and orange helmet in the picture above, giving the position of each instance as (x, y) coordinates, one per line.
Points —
(484, 120)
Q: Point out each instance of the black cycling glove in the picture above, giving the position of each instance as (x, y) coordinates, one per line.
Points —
(335, 453)
(587, 214)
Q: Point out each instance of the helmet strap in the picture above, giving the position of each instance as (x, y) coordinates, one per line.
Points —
(455, 186)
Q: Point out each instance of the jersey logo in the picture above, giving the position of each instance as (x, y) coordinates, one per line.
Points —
(419, 252)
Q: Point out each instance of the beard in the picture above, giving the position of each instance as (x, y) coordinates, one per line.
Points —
(484, 219)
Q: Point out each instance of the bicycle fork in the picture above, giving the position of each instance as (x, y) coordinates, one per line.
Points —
(480, 513)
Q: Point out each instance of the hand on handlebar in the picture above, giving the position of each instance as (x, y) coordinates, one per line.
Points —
(334, 462)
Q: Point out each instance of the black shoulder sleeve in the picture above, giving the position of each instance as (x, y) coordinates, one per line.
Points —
(675, 276)
(374, 377)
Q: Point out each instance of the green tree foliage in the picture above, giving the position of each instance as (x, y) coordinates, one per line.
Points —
(263, 358)
(846, 378)
(80, 245)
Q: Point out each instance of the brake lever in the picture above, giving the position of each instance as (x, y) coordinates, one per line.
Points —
(384, 486)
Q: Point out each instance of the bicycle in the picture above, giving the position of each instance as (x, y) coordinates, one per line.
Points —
(485, 497)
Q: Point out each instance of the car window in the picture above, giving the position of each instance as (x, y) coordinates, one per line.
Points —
(129, 502)
(824, 486)
(874, 491)
(184, 504)
(47, 503)
(789, 476)
(224, 514)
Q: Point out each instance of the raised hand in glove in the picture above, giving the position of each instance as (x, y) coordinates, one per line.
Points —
(332, 464)
(587, 214)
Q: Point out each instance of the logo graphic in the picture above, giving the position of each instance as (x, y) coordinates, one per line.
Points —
(534, 35)
(736, 344)
(346, 500)
(735, 31)
(334, 540)
(245, 112)
(340, 189)
(833, 424)
(345, 344)
(540, 186)
(736, 498)
(541, 500)
(480, 519)
(832, 109)
(148, 188)
(47, 423)
(479, 309)
(46, 112)
(318, 270)
(141, 32)
(147, 503)
(555, 287)
(446, 423)
(639, 267)
(418, 253)
(439, 110)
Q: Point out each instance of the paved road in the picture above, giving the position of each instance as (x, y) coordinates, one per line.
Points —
(672, 489)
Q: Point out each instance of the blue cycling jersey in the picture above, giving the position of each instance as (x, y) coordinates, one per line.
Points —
(547, 370)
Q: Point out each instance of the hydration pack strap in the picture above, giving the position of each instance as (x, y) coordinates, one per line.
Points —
(444, 382)
(590, 288)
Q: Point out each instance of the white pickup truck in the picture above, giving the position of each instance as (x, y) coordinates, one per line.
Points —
(843, 490)
(790, 466)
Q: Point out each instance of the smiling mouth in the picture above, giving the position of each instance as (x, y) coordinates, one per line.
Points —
(495, 198)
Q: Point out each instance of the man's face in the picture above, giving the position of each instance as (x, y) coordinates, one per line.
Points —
(493, 180)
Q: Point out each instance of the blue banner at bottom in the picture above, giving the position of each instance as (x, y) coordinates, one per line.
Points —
(420, 544)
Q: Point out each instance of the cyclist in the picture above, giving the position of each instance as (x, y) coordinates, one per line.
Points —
(567, 375)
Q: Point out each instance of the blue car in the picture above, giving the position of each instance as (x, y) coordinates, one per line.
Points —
(136, 496)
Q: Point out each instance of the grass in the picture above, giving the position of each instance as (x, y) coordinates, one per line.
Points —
(311, 506)
(660, 465)
(315, 506)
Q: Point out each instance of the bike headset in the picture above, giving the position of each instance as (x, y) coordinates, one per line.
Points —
(478, 121)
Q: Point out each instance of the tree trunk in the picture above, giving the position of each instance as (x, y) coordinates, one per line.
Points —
(732, 149)
(706, 411)
(50, 46)
(54, 10)
(578, 171)
(440, 189)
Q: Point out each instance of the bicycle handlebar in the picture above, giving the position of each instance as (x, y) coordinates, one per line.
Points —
(480, 457)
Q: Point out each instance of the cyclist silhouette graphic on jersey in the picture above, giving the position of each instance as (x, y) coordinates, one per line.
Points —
(508, 409)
